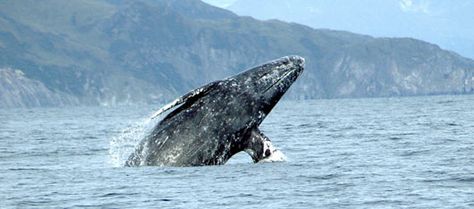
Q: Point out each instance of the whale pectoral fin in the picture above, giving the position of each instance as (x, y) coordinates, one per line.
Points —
(190, 96)
(258, 145)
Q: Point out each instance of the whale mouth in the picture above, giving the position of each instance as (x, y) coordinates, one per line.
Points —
(283, 79)
(294, 69)
(280, 79)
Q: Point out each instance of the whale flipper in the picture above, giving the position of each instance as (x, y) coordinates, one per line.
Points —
(194, 94)
(258, 145)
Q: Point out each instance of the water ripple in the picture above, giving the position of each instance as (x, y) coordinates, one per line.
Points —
(363, 153)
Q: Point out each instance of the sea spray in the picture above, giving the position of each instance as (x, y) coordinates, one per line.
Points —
(122, 145)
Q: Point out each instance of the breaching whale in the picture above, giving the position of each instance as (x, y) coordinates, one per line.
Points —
(220, 119)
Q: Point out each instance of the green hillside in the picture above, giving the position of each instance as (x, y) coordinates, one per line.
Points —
(122, 52)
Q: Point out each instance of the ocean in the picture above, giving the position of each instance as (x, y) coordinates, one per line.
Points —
(412, 152)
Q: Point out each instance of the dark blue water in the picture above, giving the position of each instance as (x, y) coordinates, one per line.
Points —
(353, 153)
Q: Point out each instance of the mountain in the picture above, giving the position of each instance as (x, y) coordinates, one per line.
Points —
(121, 52)
(16, 90)
(446, 23)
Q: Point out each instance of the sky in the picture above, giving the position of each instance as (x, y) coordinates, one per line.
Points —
(442, 22)
(220, 3)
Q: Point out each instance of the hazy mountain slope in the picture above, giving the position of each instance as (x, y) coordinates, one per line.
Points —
(446, 23)
(18, 91)
(113, 52)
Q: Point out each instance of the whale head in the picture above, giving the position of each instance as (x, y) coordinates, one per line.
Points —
(263, 86)
(256, 92)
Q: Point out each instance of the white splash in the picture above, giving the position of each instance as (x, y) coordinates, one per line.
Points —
(122, 145)
(276, 156)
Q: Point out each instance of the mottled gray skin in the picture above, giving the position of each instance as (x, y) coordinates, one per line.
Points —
(220, 119)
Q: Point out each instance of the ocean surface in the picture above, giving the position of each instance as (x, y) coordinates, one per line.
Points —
(415, 152)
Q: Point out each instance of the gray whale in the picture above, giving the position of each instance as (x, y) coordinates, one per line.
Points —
(212, 123)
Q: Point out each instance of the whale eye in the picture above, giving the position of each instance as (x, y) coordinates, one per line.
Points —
(267, 152)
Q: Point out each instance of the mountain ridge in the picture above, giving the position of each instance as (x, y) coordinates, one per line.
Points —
(446, 24)
(121, 52)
